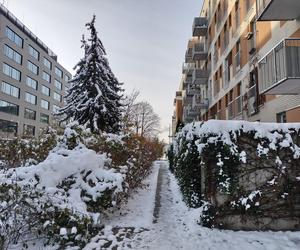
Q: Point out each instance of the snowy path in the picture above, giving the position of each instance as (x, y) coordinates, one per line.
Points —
(157, 219)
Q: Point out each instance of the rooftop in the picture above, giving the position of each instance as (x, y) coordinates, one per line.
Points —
(23, 28)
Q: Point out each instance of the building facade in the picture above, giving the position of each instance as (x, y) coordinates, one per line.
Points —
(32, 81)
(243, 62)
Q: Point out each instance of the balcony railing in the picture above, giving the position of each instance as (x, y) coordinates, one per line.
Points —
(199, 52)
(277, 10)
(186, 99)
(279, 71)
(200, 26)
(187, 80)
(187, 68)
(189, 114)
(192, 90)
(200, 77)
(199, 102)
(189, 55)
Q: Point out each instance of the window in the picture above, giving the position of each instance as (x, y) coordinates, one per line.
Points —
(9, 108)
(58, 84)
(239, 86)
(67, 78)
(29, 114)
(55, 108)
(12, 54)
(28, 130)
(30, 98)
(46, 77)
(10, 90)
(57, 97)
(47, 63)
(9, 128)
(31, 83)
(11, 35)
(44, 118)
(33, 52)
(33, 68)
(58, 72)
(281, 117)
(45, 104)
(45, 90)
(11, 72)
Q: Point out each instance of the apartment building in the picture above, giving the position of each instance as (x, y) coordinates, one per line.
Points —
(32, 81)
(243, 62)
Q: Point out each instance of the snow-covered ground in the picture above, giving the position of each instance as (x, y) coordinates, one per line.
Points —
(176, 226)
(135, 227)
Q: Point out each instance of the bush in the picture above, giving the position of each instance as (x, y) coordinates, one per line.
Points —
(92, 173)
(239, 169)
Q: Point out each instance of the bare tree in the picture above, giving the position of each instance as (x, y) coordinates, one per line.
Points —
(128, 104)
(146, 122)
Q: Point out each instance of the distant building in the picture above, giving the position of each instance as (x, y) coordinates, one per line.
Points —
(32, 81)
(243, 62)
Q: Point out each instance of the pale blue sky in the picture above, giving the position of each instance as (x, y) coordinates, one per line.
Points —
(145, 39)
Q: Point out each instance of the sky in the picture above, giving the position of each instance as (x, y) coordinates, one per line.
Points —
(145, 40)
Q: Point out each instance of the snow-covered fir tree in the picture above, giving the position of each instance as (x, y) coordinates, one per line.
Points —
(94, 96)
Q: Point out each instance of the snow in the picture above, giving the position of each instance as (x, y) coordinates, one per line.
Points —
(276, 134)
(176, 226)
(81, 165)
(63, 231)
(138, 211)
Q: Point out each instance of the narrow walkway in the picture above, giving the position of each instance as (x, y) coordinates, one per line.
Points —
(156, 218)
(175, 227)
(160, 178)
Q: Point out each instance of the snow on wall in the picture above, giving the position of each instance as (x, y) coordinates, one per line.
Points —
(242, 169)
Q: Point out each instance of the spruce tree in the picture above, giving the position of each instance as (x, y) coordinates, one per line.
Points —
(94, 96)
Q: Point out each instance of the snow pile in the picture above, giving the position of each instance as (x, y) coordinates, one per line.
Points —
(70, 177)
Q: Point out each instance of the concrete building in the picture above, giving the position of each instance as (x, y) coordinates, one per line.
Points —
(243, 62)
(32, 81)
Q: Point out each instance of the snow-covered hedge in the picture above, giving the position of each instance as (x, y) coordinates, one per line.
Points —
(63, 198)
(21, 151)
(246, 174)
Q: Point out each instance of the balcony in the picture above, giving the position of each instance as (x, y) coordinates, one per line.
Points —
(187, 68)
(200, 26)
(186, 99)
(192, 90)
(199, 102)
(199, 52)
(277, 10)
(200, 77)
(279, 71)
(188, 79)
(189, 115)
(189, 55)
